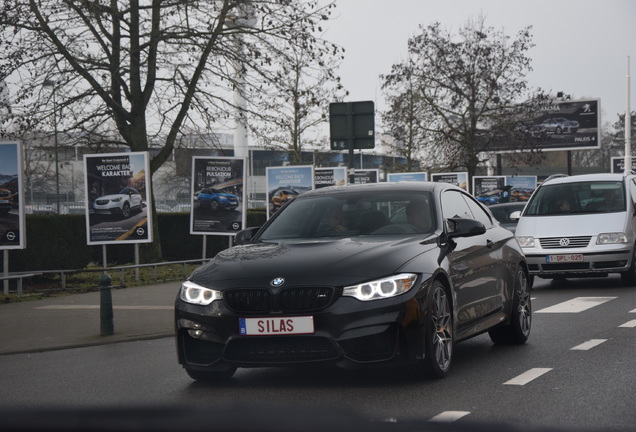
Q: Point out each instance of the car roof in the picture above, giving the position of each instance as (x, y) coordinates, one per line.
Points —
(588, 177)
(406, 186)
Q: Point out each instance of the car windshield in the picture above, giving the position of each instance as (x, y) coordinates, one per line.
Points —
(579, 197)
(353, 214)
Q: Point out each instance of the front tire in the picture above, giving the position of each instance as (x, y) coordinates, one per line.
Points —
(438, 334)
(518, 330)
(125, 211)
(628, 278)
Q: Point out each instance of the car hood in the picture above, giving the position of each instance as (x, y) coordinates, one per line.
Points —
(571, 225)
(110, 197)
(328, 262)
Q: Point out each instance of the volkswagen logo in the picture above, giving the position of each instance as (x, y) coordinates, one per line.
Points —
(564, 242)
(277, 282)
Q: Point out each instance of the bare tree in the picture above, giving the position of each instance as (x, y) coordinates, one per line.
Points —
(298, 103)
(467, 87)
(406, 119)
(139, 71)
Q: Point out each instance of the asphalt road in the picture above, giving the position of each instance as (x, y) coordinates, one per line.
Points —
(577, 371)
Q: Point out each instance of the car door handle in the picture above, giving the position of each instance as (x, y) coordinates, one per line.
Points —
(489, 244)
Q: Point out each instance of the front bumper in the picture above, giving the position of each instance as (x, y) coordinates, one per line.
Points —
(348, 333)
(593, 263)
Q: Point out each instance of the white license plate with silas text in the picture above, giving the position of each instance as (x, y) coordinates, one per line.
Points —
(277, 325)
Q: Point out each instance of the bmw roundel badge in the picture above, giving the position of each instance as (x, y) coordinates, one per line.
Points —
(277, 282)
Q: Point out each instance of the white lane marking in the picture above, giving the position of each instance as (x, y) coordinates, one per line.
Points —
(528, 376)
(78, 307)
(629, 324)
(589, 344)
(449, 416)
(576, 305)
(632, 311)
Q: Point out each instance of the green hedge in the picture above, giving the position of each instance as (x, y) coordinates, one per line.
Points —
(59, 243)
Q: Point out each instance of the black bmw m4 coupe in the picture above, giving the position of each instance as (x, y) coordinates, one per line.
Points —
(356, 275)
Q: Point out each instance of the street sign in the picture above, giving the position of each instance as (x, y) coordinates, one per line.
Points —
(352, 125)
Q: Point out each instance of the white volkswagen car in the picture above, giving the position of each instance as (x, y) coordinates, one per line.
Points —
(583, 225)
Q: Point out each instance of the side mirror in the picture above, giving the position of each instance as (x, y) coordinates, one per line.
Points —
(515, 215)
(245, 236)
(460, 227)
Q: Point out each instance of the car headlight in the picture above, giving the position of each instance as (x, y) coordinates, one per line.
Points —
(381, 288)
(526, 241)
(611, 238)
(116, 199)
(196, 294)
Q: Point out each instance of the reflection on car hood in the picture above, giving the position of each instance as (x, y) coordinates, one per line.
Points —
(328, 262)
(570, 225)
(109, 197)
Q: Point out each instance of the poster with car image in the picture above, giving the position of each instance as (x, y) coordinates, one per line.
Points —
(286, 183)
(521, 187)
(324, 177)
(490, 189)
(218, 195)
(12, 231)
(118, 193)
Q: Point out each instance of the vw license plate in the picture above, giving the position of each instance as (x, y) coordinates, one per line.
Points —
(278, 325)
(564, 258)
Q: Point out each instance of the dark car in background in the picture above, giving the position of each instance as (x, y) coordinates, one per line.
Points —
(215, 199)
(353, 276)
(506, 214)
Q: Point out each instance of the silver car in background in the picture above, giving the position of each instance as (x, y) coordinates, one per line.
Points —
(579, 226)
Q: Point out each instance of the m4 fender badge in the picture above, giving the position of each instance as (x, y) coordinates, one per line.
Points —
(277, 282)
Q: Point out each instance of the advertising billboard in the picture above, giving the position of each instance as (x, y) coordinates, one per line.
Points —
(558, 125)
(361, 176)
(618, 164)
(490, 189)
(458, 179)
(286, 183)
(218, 195)
(324, 177)
(407, 176)
(12, 231)
(117, 196)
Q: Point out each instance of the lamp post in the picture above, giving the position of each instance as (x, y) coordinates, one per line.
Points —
(51, 83)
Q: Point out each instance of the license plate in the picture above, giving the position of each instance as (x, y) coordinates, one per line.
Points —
(278, 325)
(564, 258)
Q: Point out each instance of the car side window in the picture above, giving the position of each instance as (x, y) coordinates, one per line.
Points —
(632, 194)
(478, 212)
(453, 205)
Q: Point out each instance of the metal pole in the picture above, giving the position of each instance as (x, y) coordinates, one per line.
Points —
(352, 175)
(5, 264)
(57, 162)
(52, 84)
(628, 126)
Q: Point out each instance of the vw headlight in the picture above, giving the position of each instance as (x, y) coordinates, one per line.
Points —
(196, 294)
(526, 241)
(611, 238)
(381, 288)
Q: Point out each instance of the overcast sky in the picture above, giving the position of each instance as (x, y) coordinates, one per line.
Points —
(581, 48)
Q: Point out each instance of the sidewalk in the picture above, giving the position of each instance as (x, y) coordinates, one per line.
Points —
(74, 320)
